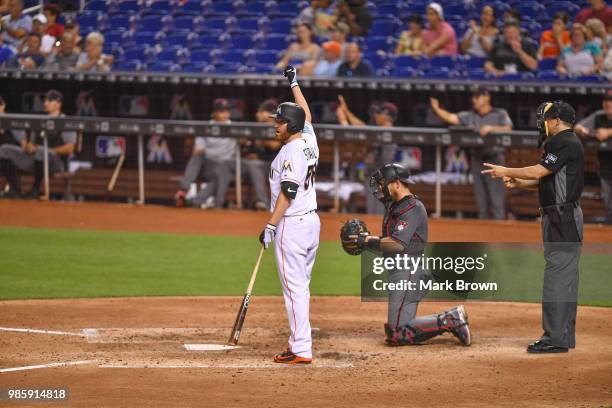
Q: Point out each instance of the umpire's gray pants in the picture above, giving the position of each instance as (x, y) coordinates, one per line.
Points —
(25, 161)
(560, 290)
(489, 192)
(258, 173)
(606, 191)
(192, 170)
(218, 175)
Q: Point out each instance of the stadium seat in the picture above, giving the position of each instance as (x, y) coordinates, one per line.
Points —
(442, 61)
(186, 23)
(215, 23)
(407, 61)
(275, 42)
(529, 8)
(265, 57)
(115, 37)
(384, 28)
(519, 76)
(128, 6)
(377, 59)
(287, 8)
(373, 44)
(161, 6)
(255, 7)
(442, 73)
(403, 72)
(200, 56)
(474, 62)
(208, 41)
(260, 69)
(151, 23)
(135, 54)
(127, 66)
(280, 26)
(170, 55)
(180, 38)
(241, 42)
(163, 66)
(145, 38)
(548, 76)
(88, 20)
(119, 22)
(388, 9)
(477, 74)
(231, 57)
(565, 6)
(247, 25)
(547, 64)
(591, 78)
(222, 7)
(97, 5)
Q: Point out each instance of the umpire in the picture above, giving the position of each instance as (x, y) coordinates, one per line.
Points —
(559, 180)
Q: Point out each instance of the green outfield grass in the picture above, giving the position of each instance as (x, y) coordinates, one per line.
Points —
(45, 263)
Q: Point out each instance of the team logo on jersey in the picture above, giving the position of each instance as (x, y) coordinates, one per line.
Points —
(287, 165)
(550, 158)
(401, 225)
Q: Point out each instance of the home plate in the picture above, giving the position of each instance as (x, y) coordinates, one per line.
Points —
(209, 347)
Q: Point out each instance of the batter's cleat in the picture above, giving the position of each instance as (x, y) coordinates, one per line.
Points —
(543, 347)
(289, 358)
(179, 198)
(459, 326)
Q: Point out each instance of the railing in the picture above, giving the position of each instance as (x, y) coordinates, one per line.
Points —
(438, 137)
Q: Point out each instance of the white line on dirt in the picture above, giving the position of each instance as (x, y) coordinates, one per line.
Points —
(227, 366)
(50, 365)
(61, 333)
(209, 347)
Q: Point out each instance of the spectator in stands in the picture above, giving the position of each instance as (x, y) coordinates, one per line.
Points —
(607, 67)
(6, 52)
(552, 42)
(72, 26)
(596, 33)
(258, 155)
(355, 66)
(384, 114)
(93, 60)
(39, 26)
(65, 57)
(329, 64)
(411, 41)
(338, 33)
(484, 119)
(29, 157)
(304, 49)
(16, 25)
(599, 9)
(31, 58)
(320, 16)
(599, 125)
(215, 156)
(355, 14)
(478, 40)
(439, 38)
(52, 12)
(511, 53)
(581, 57)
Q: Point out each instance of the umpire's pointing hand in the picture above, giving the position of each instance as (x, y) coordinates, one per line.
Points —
(494, 170)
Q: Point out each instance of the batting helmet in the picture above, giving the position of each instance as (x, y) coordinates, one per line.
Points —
(292, 114)
(385, 175)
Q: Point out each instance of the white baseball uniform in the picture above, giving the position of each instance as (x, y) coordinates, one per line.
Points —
(297, 234)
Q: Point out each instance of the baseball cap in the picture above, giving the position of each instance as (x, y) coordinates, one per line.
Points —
(341, 27)
(41, 18)
(54, 95)
(386, 108)
(269, 105)
(608, 95)
(220, 104)
(437, 8)
(333, 46)
(479, 91)
(561, 110)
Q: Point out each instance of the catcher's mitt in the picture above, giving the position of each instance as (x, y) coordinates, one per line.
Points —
(352, 227)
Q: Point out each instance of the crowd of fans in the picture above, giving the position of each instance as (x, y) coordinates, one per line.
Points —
(40, 41)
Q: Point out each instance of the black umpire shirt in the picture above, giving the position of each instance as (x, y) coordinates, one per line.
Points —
(564, 157)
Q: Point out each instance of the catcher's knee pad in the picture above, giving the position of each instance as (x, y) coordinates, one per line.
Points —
(407, 335)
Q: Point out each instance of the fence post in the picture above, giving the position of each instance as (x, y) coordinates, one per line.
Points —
(238, 178)
(43, 134)
(336, 176)
(141, 189)
(438, 212)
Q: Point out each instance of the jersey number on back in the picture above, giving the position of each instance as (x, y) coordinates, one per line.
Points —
(310, 176)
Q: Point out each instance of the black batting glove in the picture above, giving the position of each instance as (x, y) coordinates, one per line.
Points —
(291, 74)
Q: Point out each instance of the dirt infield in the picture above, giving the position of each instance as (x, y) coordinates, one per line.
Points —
(130, 351)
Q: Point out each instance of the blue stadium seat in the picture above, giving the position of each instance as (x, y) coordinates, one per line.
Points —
(97, 5)
(264, 57)
(442, 61)
(170, 55)
(384, 28)
(207, 41)
(178, 38)
(88, 20)
(548, 76)
(145, 38)
(519, 76)
(280, 26)
(255, 7)
(477, 74)
(261, 69)
(547, 64)
(377, 59)
(529, 8)
(163, 66)
(414, 8)
(388, 9)
(151, 23)
(185, 23)
(227, 68)
(231, 57)
(591, 78)
(195, 67)
(200, 56)
(135, 54)
(275, 42)
(287, 8)
(565, 6)
(119, 22)
(247, 25)
(475, 62)
(241, 42)
(403, 72)
(442, 73)
(114, 37)
(373, 44)
(127, 66)
(407, 61)
(128, 6)
(215, 23)
(161, 6)
(222, 7)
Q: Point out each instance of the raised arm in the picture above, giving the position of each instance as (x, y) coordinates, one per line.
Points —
(446, 116)
(351, 119)
(298, 96)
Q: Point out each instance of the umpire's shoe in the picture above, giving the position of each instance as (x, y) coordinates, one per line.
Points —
(544, 347)
(457, 321)
(289, 358)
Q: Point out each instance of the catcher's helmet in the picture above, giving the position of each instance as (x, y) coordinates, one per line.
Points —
(385, 175)
(292, 114)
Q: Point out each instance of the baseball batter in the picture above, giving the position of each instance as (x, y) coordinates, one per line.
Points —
(404, 231)
(294, 225)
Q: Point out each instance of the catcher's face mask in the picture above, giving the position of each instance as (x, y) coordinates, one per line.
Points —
(379, 188)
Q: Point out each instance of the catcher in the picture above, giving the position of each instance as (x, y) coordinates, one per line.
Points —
(404, 232)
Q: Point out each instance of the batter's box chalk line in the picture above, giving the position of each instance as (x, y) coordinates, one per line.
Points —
(209, 347)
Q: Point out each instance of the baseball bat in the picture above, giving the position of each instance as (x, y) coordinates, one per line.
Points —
(235, 335)
(113, 180)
